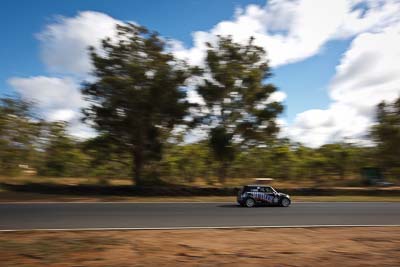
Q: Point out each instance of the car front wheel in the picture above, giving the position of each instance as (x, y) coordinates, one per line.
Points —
(250, 203)
(285, 202)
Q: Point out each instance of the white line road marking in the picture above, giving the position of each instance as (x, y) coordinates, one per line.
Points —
(201, 227)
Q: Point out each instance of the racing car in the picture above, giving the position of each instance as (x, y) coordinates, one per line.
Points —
(252, 195)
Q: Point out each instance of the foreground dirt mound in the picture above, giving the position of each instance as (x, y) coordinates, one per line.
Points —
(363, 246)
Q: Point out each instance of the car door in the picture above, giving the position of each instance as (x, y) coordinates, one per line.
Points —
(255, 192)
(261, 195)
(269, 195)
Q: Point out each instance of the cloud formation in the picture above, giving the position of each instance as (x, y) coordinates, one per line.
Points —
(289, 30)
(64, 50)
(58, 99)
(368, 73)
(64, 43)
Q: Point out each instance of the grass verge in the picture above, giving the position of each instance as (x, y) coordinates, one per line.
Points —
(9, 196)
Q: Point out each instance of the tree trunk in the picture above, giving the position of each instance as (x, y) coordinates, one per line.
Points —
(342, 173)
(137, 167)
(222, 172)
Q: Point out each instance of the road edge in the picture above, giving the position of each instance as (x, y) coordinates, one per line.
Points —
(198, 227)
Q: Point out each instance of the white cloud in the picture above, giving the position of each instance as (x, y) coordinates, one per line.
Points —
(49, 92)
(64, 43)
(291, 31)
(58, 99)
(194, 97)
(61, 115)
(277, 96)
(64, 49)
(367, 74)
(379, 14)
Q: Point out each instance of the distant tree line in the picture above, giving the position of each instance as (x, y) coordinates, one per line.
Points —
(51, 151)
(137, 101)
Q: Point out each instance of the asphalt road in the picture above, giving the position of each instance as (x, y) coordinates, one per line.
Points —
(160, 215)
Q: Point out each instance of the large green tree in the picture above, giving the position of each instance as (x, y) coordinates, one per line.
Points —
(239, 109)
(136, 98)
(386, 134)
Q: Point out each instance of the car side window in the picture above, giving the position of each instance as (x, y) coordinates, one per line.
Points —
(268, 190)
(250, 189)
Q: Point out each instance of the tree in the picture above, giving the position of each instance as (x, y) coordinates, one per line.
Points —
(386, 134)
(239, 109)
(187, 161)
(336, 158)
(106, 159)
(282, 159)
(136, 98)
(18, 134)
(62, 155)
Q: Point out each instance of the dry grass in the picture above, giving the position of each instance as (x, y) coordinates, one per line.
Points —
(65, 180)
(230, 182)
(370, 246)
(33, 197)
(10, 196)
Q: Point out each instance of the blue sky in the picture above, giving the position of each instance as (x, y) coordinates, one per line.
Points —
(306, 82)
(19, 49)
(312, 46)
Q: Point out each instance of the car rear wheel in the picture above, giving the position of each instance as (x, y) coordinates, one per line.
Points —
(285, 202)
(250, 203)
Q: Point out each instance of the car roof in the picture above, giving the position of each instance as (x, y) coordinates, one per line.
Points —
(261, 185)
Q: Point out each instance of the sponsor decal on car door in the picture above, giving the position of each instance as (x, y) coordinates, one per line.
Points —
(263, 197)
